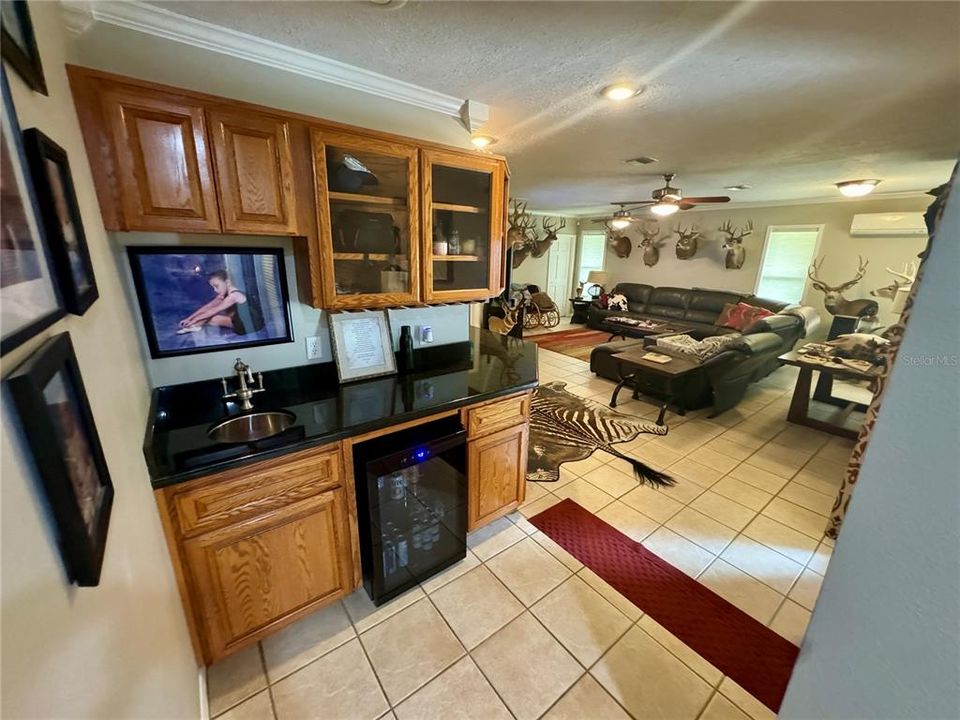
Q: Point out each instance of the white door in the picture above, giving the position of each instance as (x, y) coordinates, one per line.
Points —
(558, 272)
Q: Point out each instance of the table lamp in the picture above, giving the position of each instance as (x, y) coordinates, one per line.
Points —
(598, 278)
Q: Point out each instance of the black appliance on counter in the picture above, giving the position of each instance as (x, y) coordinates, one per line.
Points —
(411, 505)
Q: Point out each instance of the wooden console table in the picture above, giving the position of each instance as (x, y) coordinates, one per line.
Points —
(799, 411)
(632, 364)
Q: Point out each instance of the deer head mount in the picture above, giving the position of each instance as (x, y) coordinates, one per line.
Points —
(736, 253)
(833, 299)
(522, 234)
(651, 244)
(505, 324)
(688, 242)
(551, 229)
(902, 280)
(620, 244)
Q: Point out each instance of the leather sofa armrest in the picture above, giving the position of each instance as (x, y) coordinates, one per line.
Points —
(758, 343)
(773, 323)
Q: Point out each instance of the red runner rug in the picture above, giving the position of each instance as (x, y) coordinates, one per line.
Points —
(751, 654)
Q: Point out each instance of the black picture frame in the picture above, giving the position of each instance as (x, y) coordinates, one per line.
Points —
(59, 429)
(145, 289)
(20, 44)
(57, 199)
(29, 294)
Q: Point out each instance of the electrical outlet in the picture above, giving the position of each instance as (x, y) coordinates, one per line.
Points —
(314, 348)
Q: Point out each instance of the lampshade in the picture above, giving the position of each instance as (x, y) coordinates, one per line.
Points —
(597, 277)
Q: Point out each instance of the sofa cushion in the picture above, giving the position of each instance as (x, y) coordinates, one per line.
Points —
(741, 315)
(712, 300)
(636, 307)
(635, 293)
(670, 297)
(662, 312)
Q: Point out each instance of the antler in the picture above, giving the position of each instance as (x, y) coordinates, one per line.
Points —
(813, 272)
(553, 228)
(909, 274)
(736, 234)
(649, 232)
(861, 271)
(691, 232)
(726, 228)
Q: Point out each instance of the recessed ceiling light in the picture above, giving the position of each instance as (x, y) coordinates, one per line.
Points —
(482, 141)
(857, 188)
(642, 160)
(620, 92)
(737, 188)
(664, 208)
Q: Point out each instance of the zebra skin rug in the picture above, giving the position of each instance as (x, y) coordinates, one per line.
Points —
(565, 428)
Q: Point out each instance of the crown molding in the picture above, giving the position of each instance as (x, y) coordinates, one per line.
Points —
(80, 16)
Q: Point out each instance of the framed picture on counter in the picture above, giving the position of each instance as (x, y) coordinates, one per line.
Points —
(207, 299)
(57, 199)
(29, 297)
(48, 394)
(362, 345)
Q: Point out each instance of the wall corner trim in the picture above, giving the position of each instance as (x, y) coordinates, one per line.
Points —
(81, 15)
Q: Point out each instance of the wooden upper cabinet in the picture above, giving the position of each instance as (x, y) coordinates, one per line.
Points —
(368, 213)
(254, 172)
(463, 235)
(165, 178)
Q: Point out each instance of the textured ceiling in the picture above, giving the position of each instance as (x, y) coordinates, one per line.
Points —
(789, 97)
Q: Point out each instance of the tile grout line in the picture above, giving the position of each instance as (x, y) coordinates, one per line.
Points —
(266, 676)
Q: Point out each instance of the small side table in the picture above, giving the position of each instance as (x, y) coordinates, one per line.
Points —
(579, 310)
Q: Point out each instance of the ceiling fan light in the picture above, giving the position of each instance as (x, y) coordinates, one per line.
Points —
(857, 188)
(663, 209)
(619, 223)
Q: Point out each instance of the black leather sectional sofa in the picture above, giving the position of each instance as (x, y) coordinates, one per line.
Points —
(724, 377)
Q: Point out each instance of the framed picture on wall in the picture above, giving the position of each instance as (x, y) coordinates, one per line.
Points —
(48, 394)
(362, 345)
(57, 200)
(20, 45)
(207, 299)
(29, 296)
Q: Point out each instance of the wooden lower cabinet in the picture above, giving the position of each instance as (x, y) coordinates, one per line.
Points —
(497, 469)
(261, 570)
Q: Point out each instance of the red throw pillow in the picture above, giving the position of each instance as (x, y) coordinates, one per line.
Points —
(740, 316)
(604, 300)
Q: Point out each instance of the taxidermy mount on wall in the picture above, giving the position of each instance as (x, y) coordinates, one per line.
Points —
(688, 242)
(908, 277)
(736, 253)
(833, 299)
(551, 229)
(522, 234)
(651, 245)
(621, 245)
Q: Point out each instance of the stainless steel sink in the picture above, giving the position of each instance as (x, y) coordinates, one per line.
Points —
(252, 426)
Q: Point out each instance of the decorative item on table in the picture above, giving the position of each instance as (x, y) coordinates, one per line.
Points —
(405, 355)
(736, 254)
(204, 299)
(688, 242)
(833, 299)
(50, 171)
(362, 345)
(650, 243)
(596, 279)
(393, 278)
(899, 289)
(20, 45)
(58, 426)
(579, 292)
(656, 357)
(29, 296)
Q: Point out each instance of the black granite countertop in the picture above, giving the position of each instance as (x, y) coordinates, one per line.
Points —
(177, 448)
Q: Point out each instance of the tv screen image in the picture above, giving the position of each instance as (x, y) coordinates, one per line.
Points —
(206, 299)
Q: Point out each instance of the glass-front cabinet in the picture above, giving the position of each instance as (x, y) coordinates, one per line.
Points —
(368, 201)
(463, 226)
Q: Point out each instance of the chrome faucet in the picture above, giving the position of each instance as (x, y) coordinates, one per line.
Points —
(246, 388)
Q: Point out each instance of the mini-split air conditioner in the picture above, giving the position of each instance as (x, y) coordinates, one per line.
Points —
(903, 224)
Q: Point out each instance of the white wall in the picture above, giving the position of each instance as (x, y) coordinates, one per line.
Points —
(837, 246)
(884, 641)
(120, 650)
(450, 323)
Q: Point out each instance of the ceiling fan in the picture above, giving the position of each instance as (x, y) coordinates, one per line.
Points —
(666, 201)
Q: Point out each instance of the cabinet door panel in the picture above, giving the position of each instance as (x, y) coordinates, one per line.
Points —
(255, 577)
(254, 173)
(497, 472)
(463, 226)
(166, 180)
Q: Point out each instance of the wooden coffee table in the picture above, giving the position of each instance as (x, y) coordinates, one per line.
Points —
(799, 411)
(630, 364)
(629, 330)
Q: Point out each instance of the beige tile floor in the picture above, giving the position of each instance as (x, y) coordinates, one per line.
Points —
(522, 629)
